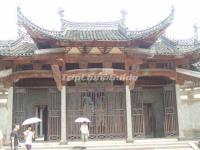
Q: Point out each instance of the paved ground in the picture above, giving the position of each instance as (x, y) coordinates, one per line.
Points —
(147, 144)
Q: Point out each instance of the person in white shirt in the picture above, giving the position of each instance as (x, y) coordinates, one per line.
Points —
(29, 135)
(84, 131)
(1, 139)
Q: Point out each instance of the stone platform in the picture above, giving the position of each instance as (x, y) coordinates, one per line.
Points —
(147, 144)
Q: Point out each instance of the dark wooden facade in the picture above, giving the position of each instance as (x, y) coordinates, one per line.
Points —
(104, 104)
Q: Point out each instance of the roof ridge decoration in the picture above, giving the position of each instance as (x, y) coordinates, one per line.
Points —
(109, 25)
(189, 44)
(167, 46)
(196, 29)
(160, 26)
(25, 38)
(22, 20)
(123, 18)
(22, 46)
(91, 25)
(61, 14)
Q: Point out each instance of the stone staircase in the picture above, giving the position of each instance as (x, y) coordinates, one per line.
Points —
(147, 144)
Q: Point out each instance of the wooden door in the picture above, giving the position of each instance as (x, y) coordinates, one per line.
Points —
(137, 112)
(54, 114)
(19, 105)
(170, 110)
(149, 120)
(105, 108)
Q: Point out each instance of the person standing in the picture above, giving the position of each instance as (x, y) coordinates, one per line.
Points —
(29, 135)
(1, 139)
(84, 131)
(15, 137)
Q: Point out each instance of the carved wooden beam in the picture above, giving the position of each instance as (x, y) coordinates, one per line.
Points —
(157, 72)
(16, 76)
(57, 76)
(131, 83)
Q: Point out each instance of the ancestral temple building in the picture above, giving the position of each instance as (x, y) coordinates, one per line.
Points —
(35, 71)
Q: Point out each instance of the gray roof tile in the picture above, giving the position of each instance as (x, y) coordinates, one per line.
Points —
(101, 35)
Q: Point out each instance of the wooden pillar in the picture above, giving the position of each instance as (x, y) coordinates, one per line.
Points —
(36, 126)
(41, 124)
(63, 117)
(129, 115)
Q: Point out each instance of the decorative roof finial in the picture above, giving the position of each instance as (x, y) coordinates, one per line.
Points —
(18, 22)
(172, 9)
(18, 9)
(123, 13)
(171, 16)
(61, 14)
(195, 32)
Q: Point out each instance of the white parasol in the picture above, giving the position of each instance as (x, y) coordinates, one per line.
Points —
(82, 119)
(31, 121)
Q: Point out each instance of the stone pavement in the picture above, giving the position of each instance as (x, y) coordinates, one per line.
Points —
(147, 144)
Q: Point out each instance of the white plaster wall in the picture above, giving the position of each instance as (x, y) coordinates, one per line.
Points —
(3, 120)
(4, 113)
(188, 114)
(195, 115)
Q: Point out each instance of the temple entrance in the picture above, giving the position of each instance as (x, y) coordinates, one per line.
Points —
(41, 129)
(104, 106)
(149, 120)
(43, 103)
(154, 111)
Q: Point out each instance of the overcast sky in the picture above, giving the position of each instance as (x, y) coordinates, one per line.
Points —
(141, 14)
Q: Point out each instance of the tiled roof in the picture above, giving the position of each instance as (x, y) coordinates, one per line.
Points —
(167, 46)
(98, 31)
(184, 46)
(160, 48)
(23, 46)
(104, 35)
(92, 30)
(20, 51)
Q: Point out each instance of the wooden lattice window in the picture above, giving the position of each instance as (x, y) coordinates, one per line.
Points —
(71, 66)
(95, 65)
(24, 67)
(168, 65)
(118, 65)
(144, 66)
(46, 67)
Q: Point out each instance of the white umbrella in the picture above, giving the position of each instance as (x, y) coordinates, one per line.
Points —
(82, 119)
(31, 121)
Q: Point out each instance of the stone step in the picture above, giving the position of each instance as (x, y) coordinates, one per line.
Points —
(113, 142)
(147, 144)
(109, 144)
(132, 146)
(116, 148)
(155, 140)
